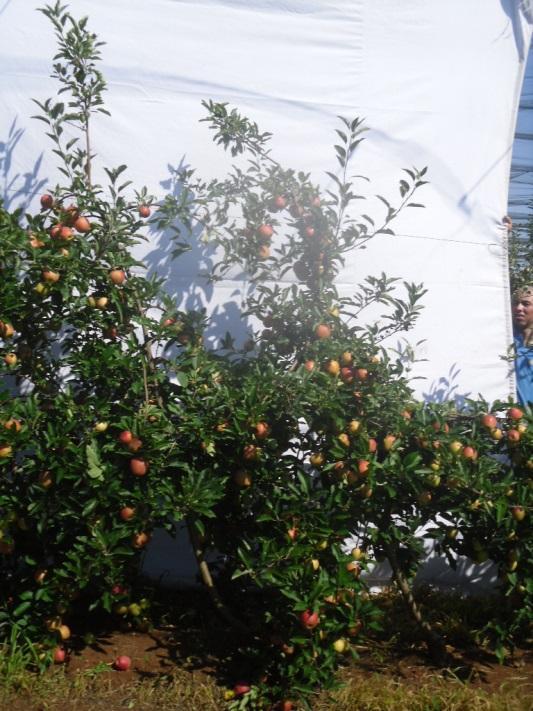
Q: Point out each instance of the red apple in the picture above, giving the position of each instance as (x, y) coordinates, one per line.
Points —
(55, 231)
(47, 202)
(372, 445)
(262, 430)
(65, 233)
(126, 513)
(469, 453)
(51, 276)
(70, 214)
(489, 421)
(241, 688)
(309, 619)
(125, 437)
(323, 331)
(134, 444)
(138, 467)
(363, 466)
(117, 276)
(514, 413)
(292, 533)
(278, 203)
(309, 232)
(361, 373)
(122, 663)
(251, 453)
(82, 224)
(144, 211)
(265, 231)
(59, 655)
(139, 540)
(346, 375)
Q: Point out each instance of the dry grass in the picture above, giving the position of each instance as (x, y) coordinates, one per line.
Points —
(380, 693)
(98, 691)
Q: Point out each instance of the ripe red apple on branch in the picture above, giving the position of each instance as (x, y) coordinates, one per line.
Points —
(134, 444)
(265, 231)
(262, 430)
(279, 202)
(515, 413)
(139, 540)
(117, 276)
(82, 225)
(47, 202)
(323, 331)
(138, 467)
(489, 421)
(50, 276)
(251, 453)
(127, 513)
(309, 619)
(513, 436)
(292, 533)
(125, 437)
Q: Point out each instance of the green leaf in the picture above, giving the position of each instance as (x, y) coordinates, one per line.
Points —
(94, 463)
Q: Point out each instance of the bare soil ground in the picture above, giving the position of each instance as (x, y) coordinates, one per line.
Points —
(185, 664)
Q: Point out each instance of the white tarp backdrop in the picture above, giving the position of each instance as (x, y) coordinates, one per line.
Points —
(438, 83)
(521, 183)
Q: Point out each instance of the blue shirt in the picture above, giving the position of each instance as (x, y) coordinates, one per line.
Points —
(524, 371)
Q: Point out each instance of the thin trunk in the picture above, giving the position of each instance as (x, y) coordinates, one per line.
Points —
(434, 641)
(207, 580)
